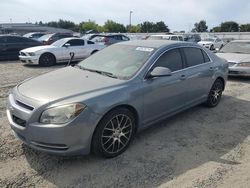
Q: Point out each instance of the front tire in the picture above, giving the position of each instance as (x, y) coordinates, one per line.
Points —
(47, 60)
(114, 133)
(215, 93)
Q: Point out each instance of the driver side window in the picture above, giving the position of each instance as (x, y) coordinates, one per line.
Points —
(76, 42)
(170, 59)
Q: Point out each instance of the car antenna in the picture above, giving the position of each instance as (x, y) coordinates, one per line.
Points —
(71, 54)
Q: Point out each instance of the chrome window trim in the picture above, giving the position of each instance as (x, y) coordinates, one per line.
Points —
(179, 47)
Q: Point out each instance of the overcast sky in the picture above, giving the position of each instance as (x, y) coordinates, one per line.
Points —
(177, 14)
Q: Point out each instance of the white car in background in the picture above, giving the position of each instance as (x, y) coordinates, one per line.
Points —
(212, 43)
(59, 51)
(237, 54)
(166, 37)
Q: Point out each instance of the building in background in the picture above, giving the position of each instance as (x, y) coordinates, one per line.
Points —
(23, 28)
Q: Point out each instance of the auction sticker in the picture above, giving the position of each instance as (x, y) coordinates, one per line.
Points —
(144, 49)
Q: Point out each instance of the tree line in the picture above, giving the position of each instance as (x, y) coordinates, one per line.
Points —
(145, 27)
(109, 26)
(229, 26)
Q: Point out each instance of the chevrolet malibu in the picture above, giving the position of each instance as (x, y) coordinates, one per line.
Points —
(99, 104)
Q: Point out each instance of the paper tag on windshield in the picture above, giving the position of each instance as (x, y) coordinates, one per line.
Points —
(144, 49)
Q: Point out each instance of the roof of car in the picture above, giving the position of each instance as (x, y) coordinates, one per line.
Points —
(169, 35)
(240, 41)
(154, 43)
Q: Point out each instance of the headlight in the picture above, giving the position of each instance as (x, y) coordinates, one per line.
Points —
(31, 54)
(61, 114)
(243, 64)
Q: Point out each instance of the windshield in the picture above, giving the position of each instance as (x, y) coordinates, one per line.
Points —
(122, 61)
(45, 37)
(59, 43)
(236, 47)
(209, 39)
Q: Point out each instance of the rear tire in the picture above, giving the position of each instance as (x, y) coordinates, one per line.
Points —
(114, 133)
(215, 93)
(47, 60)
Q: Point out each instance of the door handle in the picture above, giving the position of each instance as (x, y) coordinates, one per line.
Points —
(211, 68)
(183, 77)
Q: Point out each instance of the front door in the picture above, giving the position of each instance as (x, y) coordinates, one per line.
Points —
(165, 95)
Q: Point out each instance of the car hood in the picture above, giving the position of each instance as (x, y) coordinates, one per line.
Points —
(234, 57)
(37, 48)
(205, 42)
(65, 83)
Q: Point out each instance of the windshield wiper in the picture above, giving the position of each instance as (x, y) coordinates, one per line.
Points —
(109, 74)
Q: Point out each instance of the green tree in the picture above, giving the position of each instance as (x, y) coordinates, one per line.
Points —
(216, 29)
(89, 25)
(229, 26)
(65, 24)
(111, 26)
(200, 26)
(147, 27)
(245, 28)
(134, 28)
(161, 27)
(52, 24)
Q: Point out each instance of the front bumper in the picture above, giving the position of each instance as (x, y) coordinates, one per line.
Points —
(29, 59)
(73, 138)
(239, 71)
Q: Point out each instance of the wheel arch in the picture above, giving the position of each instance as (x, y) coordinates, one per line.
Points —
(223, 81)
(94, 51)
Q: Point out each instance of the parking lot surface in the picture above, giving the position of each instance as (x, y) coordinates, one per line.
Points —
(200, 147)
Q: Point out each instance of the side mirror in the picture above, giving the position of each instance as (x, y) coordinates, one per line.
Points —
(67, 45)
(159, 72)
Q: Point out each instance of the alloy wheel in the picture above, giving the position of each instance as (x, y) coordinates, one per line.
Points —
(116, 133)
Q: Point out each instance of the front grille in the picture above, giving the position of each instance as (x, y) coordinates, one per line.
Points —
(24, 105)
(22, 54)
(19, 121)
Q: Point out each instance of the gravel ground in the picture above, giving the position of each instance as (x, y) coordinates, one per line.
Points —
(200, 147)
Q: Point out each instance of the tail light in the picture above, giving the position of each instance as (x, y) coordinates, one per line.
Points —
(105, 40)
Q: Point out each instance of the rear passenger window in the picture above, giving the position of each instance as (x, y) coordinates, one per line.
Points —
(76, 42)
(174, 38)
(194, 56)
(171, 59)
(90, 42)
(206, 58)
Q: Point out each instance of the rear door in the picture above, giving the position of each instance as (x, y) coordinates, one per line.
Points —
(199, 73)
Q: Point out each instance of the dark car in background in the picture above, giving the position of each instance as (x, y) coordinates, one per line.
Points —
(108, 39)
(11, 45)
(50, 38)
(192, 38)
(34, 35)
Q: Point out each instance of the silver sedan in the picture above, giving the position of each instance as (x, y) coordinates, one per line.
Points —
(237, 53)
(99, 104)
